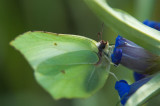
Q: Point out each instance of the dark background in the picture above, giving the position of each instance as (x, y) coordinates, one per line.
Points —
(17, 83)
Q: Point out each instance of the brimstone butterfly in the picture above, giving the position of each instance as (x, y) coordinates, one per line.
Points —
(67, 66)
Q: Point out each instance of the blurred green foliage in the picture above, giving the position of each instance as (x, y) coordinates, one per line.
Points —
(17, 84)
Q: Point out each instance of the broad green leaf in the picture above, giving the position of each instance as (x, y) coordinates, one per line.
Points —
(126, 25)
(65, 65)
(142, 11)
(146, 92)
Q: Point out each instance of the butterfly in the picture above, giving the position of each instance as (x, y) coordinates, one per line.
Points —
(66, 66)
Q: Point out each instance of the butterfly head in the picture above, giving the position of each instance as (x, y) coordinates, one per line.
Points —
(101, 45)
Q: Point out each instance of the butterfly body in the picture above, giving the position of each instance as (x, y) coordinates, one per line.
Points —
(101, 46)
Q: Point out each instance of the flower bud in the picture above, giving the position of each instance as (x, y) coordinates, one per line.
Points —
(125, 90)
(135, 57)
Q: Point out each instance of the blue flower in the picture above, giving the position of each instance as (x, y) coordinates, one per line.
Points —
(125, 90)
(133, 56)
(152, 24)
(136, 58)
(138, 76)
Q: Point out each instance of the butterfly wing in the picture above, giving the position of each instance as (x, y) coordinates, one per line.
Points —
(65, 65)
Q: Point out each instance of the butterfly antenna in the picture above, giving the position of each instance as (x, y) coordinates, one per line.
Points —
(102, 30)
(100, 33)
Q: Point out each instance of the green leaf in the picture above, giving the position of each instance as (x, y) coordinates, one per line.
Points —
(142, 11)
(126, 25)
(146, 92)
(65, 65)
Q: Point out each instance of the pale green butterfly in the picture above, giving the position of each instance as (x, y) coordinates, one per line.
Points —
(67, 66)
